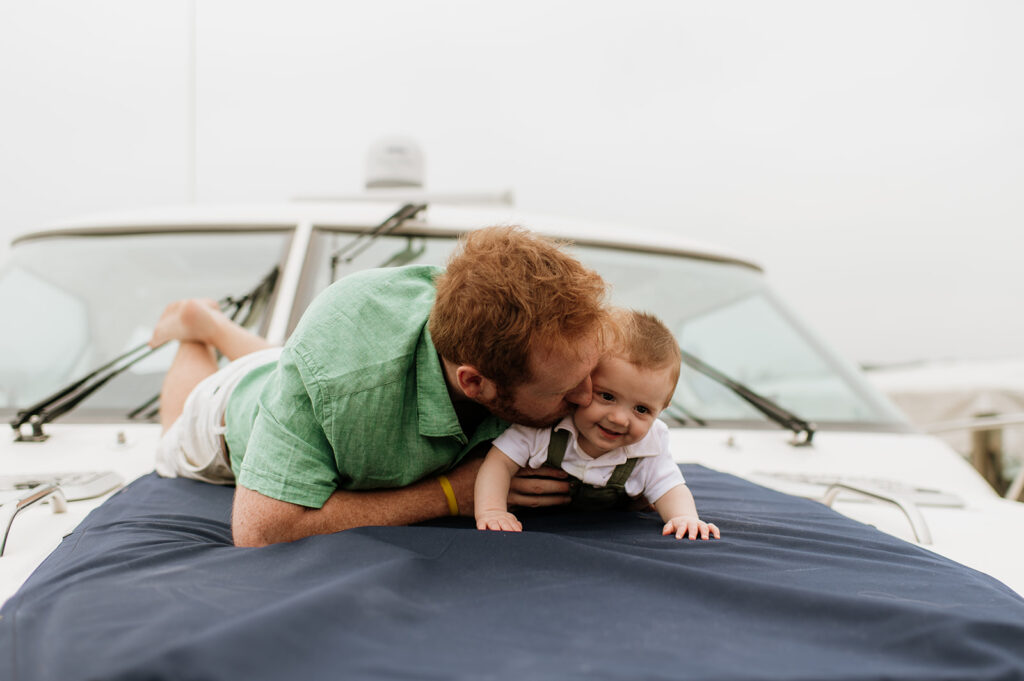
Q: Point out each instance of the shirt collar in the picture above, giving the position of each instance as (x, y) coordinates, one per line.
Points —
(648, 446)
(437, 416)
(436, 413)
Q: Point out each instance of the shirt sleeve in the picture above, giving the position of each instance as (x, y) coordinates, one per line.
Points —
(660, 473)
(519, 444)
(288, 456)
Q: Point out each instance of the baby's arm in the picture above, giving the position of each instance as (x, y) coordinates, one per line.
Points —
(490, 503)
(679, 511)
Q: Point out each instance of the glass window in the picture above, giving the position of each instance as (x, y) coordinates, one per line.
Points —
(724, 314)
(74, 303)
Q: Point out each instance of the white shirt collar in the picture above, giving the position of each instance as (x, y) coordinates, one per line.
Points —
(648, 446)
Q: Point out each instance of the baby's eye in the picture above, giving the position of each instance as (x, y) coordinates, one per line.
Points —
(641, 409)
(607, 397)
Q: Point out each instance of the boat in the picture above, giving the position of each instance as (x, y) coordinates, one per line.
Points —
(975, 405)
(761, 399)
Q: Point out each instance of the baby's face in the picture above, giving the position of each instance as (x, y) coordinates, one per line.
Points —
(626, 401)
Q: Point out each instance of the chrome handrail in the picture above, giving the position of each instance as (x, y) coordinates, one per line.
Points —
(917, 523)
(12, 508)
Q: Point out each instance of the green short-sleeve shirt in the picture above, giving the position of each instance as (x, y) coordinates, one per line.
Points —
(358, 399)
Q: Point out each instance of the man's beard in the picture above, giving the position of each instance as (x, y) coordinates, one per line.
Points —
(503, 406)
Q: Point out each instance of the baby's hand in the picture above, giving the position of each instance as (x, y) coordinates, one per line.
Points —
(498, 520)
(683, 524)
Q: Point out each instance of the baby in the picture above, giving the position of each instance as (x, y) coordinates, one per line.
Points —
(613, 449)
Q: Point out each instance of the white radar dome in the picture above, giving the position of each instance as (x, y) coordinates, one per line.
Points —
(394, 162)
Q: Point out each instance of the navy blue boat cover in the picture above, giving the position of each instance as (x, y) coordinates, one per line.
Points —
(150, 587)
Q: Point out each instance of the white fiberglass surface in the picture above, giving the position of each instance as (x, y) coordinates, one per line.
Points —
(73, 303)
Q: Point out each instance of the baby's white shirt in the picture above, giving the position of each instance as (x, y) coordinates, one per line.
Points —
(654, 474)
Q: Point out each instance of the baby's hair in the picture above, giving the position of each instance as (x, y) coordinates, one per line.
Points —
(644, 341)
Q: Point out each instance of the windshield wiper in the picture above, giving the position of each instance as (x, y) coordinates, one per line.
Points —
(769, 408)
(364, 240)
(681, 415)
(69, 397)
(407, 254)
(254, 303)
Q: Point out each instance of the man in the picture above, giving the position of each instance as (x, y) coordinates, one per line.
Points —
(392, 380)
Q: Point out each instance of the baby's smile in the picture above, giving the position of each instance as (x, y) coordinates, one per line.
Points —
(609, 433)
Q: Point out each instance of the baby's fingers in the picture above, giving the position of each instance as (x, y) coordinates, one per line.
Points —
(689, 527)
(705, 530)
(676, 527)
(506, 524)
(695, 528)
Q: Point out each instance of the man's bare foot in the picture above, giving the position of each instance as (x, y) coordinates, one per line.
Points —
(188, 320)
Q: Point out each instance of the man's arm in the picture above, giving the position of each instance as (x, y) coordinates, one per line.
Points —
(258, 520)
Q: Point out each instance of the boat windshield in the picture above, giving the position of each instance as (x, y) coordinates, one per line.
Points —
(727, 316)
(724, 313)
(72, 303)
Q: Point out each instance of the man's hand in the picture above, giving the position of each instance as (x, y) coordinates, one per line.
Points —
(530, 488)
(544, 486)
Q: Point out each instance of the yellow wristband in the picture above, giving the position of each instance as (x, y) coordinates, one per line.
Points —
(449, 494)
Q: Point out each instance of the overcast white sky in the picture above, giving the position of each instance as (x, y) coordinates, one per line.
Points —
(869, 154)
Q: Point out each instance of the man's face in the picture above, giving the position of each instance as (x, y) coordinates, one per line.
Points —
(561, 380)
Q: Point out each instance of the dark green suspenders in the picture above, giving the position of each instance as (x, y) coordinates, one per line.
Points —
(586, 496)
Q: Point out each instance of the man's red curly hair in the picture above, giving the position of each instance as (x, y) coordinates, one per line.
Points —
(507, 292)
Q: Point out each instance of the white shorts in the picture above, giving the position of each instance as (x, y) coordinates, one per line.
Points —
(194, 447)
